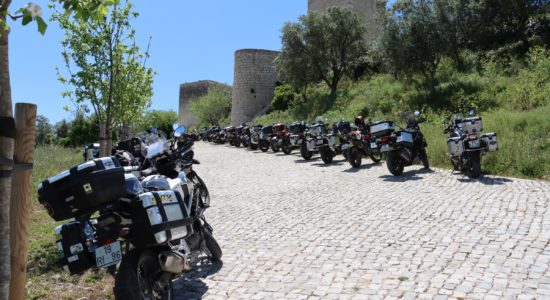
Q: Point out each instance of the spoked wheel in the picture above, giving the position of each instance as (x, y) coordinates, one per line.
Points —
(140, 277)
(306, 154)
(395, 163)
(355, 157)
(212, 248)
(326, 154)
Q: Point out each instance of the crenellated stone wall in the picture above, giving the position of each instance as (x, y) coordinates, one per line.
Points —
(188, 92)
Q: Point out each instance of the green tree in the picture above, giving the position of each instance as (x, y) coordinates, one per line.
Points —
(82, 10)
(321, 47)
(284, 97)
(44, 130)
(160, 119)
(415, 42)
(214, 106)
(106, 69)
(83, 131)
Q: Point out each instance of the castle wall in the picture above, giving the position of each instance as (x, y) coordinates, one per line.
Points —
(254, 83)
(189, 92)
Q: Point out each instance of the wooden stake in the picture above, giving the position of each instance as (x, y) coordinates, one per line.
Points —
(21, 191)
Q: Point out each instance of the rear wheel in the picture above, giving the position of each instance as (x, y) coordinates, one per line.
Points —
(274, 147)
(264, 146)
(355, 157)
(140, 277)
(376, 156)
(253, 146)
(245, 143)
(474, 168)
(326, 154)
(395, 163)
(306, 154)
(287, 149)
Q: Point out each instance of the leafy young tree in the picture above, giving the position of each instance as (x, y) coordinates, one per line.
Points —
(106, 69)
(283, 98)
(214, 106)
(44, 130)
(82, 10)
(160, 119)
(321, 47)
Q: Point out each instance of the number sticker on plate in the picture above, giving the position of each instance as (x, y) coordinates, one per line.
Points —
(319, 142)
(108, 255)
(345, 147)
(373, 145)
(385, 148)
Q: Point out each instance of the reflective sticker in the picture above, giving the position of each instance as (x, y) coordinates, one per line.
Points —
(88, 188)
(76, 248)
(72, 258)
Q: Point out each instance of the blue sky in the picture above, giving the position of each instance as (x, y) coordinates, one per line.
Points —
(191, 40)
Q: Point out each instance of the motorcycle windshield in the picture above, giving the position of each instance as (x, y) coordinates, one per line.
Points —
(154, 144)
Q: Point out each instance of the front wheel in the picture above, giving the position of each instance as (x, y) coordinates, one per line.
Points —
(326, 154)
(213, 249)
(355, 157)
(140, 277)
(306, 154)
(376, 156)
(253, 146)
(274, 148)
(245, 143)
(474, 167)
(395, 163)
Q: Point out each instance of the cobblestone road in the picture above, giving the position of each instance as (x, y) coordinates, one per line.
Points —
(295, 230)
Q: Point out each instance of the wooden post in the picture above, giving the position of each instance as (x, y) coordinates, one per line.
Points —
(21, 191)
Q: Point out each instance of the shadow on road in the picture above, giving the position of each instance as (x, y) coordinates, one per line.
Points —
(355, 170)
(301, 161)
(190, 286)
(333, 163)
(406, 176)
(487, 180)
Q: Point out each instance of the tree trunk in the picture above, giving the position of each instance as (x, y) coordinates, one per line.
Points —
(6, 151)
(102, 138)
(21, 192)
(108, 142)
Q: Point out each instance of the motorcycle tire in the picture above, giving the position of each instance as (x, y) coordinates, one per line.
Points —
(212, 246)
(326, 154)
(237, 143)
(345, 153)
(395, 163)
(274, 148)
(306, 154)
(474, 168)
(137, 274)
(287, 149)
(355, 157)
(253, 146)
(264, 146)
(376, 156)
(245, 143)
(424, 158)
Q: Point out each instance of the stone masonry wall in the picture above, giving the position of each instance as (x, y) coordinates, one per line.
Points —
(189, 92)
(254, 83)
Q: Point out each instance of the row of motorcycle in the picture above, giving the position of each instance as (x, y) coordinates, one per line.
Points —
(139, 214)
(401, 146)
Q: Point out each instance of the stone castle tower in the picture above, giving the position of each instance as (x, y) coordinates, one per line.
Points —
(254, 83)
(369, 10)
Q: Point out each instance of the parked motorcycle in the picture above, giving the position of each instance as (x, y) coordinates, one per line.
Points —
(230, 134)
(255, 136)
(145, 226)
(337, 141)
(362, 142)
(264, 138)
(245, 136)
(279, 140)
(405, 146)
(295, 136)
(315, 137)
(466, 145)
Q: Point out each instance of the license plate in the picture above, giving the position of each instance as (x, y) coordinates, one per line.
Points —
(373, 145)
(345, 147)
(474, 144)
(319, 142)
(108, 255)
(385, 148)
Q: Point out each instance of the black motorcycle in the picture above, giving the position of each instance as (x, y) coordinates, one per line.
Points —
(362, 142)
(264, 138)
(466, 145)
(315, 136)
(254, 136)
(337, 140)
(145, 226)
(295, 137)
(406, 146)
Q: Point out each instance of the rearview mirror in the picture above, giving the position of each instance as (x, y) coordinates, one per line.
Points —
(417, 113)
(446, 122)
(472, 112)
(175, 126)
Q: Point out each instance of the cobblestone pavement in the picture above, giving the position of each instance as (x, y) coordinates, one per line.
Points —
(295, 230)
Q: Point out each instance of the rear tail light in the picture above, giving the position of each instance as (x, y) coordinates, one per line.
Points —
(367, 137)
(385, 140)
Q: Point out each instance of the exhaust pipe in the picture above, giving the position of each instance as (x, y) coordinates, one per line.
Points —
(174, 262)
